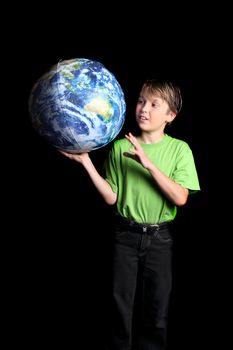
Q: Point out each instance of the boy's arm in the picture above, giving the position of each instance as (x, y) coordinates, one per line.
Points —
(177, 194)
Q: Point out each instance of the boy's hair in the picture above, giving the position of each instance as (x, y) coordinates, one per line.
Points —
(167, 91)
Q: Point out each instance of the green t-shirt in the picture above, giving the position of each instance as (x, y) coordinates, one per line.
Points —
(138, 196)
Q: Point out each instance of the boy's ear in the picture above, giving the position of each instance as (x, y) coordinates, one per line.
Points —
(172, 116)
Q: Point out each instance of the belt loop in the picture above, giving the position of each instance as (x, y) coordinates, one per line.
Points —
(144, 229)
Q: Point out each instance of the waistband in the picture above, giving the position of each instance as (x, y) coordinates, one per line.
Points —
(140, 228)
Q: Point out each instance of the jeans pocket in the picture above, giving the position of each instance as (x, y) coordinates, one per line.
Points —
(164, 236)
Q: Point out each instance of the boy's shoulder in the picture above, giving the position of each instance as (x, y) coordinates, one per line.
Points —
(176, 141)
(122, 142)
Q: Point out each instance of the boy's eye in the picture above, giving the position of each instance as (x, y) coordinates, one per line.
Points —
(155, 104)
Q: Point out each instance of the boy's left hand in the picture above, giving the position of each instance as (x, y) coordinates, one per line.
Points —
(137, 153)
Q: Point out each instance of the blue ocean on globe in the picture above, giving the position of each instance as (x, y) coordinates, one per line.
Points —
(77, 106)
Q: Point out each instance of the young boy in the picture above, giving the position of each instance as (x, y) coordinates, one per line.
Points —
(146, 178)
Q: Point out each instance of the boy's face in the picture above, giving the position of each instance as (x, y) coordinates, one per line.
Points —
(152, 113)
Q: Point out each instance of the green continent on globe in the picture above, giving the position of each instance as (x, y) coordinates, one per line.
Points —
(77, 106)
(101, 107)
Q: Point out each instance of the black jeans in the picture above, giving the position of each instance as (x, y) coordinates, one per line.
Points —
(142, 279)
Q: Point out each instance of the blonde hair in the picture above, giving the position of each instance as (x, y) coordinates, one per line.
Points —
(167, 91)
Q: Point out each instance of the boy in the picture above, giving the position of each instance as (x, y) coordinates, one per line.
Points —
(146, 178)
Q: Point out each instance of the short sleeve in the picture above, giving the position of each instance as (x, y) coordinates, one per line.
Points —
(110, 170)
(185, 172)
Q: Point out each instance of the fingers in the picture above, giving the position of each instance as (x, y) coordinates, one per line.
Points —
(129, 136)
(132, 139)
(67, 154)
(63, 152)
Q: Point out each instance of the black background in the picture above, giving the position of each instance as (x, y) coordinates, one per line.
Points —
(59, 228)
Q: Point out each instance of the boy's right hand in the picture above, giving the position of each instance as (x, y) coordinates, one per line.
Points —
(78, 157)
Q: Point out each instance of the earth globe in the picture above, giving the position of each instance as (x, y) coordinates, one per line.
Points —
(77, 105)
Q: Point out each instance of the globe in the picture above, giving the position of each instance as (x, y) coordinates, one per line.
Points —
(77, 106)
